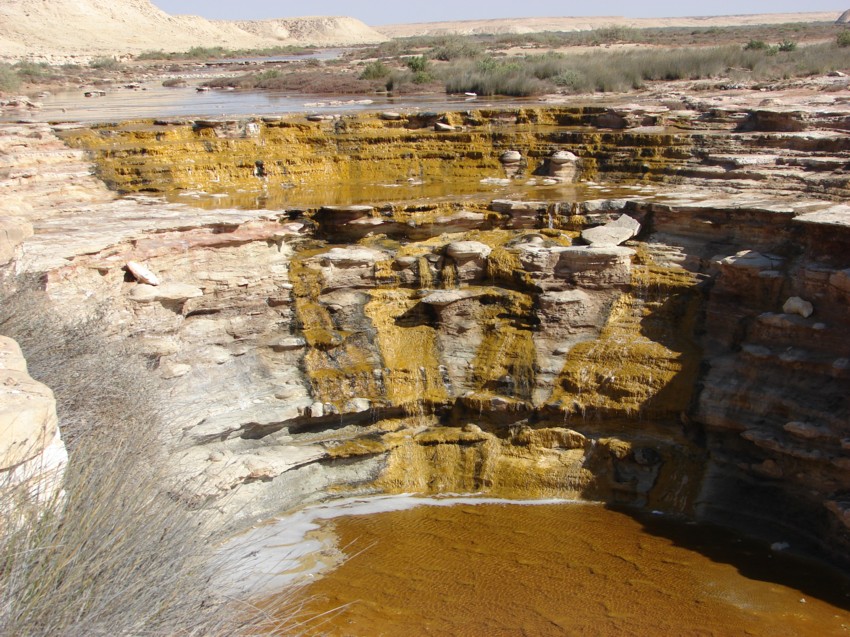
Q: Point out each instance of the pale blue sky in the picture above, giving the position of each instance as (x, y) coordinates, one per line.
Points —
(376, 13)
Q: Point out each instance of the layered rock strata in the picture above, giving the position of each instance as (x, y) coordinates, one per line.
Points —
(634, 343)
(350, 159)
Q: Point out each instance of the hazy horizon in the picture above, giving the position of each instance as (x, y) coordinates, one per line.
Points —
(374, 13)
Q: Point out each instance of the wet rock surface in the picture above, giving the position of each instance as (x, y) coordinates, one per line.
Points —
(636, 347)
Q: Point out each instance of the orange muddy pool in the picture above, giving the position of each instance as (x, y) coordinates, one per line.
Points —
(563, 569)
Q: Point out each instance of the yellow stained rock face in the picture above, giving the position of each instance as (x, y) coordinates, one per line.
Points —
(183, 157)
(548, 462)
(339, 364)
(646, 360)
(452, 460)
(477, 360)
(580, 365)
(409, 353)
(356, 156)
(507, 350)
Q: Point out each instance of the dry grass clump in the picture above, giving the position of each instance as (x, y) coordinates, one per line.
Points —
(9, 79)
(119, 554)
(12, 76)
(220, 52)
(614, 71)
(459, 65)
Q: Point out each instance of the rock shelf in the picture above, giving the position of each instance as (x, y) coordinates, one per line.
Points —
(625, 338)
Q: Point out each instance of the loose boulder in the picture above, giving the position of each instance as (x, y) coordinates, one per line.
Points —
(563, 166)
(468, 250)
(142, 273)
(796, 305)
(613, 233)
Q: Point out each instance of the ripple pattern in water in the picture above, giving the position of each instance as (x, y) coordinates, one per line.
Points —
(499, 570)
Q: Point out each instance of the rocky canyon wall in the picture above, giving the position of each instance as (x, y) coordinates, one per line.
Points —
(642, 306)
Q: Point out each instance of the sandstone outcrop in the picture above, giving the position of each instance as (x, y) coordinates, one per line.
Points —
(32, 454)
(623, 338)
(563, 166)
(612, 233)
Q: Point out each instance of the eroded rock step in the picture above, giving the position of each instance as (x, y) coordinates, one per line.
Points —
(776, 150)
(640, 349)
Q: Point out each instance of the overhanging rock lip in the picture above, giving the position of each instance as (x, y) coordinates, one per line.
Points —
(836, 216)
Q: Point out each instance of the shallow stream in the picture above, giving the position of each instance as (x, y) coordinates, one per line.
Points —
(150, 100)
(452, 567)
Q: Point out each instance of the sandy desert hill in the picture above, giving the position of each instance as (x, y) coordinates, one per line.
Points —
(533, 25)
(316, 31)
(96, 27)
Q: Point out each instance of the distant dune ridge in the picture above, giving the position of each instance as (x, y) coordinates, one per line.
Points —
(44, 28)
(534, 25)
(318, 31)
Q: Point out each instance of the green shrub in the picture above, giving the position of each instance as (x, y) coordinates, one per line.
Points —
(423, 77)
(306, 81)
(155, 55)
(456, 48)
(613, 34)
(571, 80)
(756, 45)
(490, 76)
(33, 71)
(417, 64)
(786, 46)
(105, 64)
(9, 80)
(266, 79)
(376, 70)
(599, 70)
(606, 71)
(206, 52)
(843, 39)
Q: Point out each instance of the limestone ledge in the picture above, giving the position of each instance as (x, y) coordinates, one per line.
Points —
(352, 158)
